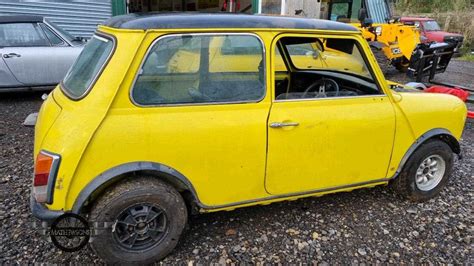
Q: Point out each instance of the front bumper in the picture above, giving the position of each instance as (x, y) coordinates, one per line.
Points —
(41, 212)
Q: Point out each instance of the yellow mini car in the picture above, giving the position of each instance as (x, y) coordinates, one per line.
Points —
(165, 115)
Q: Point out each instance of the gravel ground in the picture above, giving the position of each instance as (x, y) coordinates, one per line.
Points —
(368, 225)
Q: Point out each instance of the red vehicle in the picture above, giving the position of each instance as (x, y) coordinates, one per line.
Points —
(431, 31)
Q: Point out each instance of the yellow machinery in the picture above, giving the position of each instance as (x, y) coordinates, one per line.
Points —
(392, 42)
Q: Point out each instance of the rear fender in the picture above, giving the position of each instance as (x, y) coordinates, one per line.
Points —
(110, 177)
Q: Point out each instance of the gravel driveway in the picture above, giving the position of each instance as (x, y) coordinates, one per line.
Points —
(368, 225)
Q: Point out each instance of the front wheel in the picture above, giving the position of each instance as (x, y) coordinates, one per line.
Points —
(426, 172)
(382, 60)
(147, 218)
(402, 65)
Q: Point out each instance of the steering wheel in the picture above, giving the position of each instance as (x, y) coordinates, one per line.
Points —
(323, 85)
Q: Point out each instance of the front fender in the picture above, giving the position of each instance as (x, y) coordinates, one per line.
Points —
(437, 133)
(421, 116)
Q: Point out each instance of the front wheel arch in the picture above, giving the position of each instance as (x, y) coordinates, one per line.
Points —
(426, 173)
(111, 177)
(451, 141)
(437, 133)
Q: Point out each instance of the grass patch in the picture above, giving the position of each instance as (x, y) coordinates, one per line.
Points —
(467, 57)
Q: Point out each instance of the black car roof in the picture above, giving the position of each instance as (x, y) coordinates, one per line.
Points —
(20, 19)
(192, 20)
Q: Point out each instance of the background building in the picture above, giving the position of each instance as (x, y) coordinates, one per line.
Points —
(79, 17)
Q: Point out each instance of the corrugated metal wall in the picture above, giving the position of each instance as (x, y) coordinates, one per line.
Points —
(378, 11)
(79, 17)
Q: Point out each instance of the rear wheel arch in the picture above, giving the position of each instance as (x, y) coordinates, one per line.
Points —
(115, 175)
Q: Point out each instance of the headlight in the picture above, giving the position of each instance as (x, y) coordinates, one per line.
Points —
(378, 30)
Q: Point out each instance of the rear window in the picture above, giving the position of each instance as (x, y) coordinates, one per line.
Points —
(87, 67)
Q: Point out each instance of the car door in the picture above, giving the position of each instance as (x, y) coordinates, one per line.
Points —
(328, 142)
(206, 112)
(31, 57)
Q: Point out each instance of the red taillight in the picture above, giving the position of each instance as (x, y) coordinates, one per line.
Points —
(46, 167)
(43, 166)
(40, 180)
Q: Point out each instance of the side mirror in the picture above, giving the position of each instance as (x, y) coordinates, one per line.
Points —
(367, 22)
(362, 14)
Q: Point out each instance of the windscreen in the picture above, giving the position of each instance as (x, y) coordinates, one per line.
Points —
(431, 25)
(87, 67)
(342, 55)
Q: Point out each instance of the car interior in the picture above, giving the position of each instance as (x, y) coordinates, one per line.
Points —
(293, 83)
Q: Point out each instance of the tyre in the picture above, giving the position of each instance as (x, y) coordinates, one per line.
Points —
(426, 172)
(147, 218)
(382, 60)
(403, 65)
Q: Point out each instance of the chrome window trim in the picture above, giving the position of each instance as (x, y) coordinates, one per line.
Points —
(331, 98)
(100, 36)
(45, 27)
(137, 73)
(52, 28)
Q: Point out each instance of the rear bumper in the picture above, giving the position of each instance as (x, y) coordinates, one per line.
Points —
(41, 212)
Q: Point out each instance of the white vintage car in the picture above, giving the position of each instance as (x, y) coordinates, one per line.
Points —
(35, 53)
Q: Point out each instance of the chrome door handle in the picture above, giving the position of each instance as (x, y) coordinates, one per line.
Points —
(282, 124)
(11, 55)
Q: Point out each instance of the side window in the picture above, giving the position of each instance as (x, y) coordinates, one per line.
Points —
(52, 37)
(321, 68)
(173, 56)
(22, 35)
(195, 69)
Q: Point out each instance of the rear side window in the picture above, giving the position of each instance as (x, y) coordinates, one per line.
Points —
(21, 35)
(87, 67)
(200, 69)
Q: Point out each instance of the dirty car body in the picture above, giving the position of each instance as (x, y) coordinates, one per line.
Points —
(185, 113)
(35, 53)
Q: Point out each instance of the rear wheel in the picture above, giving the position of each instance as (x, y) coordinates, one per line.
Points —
(426, 172)
(147, 218)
